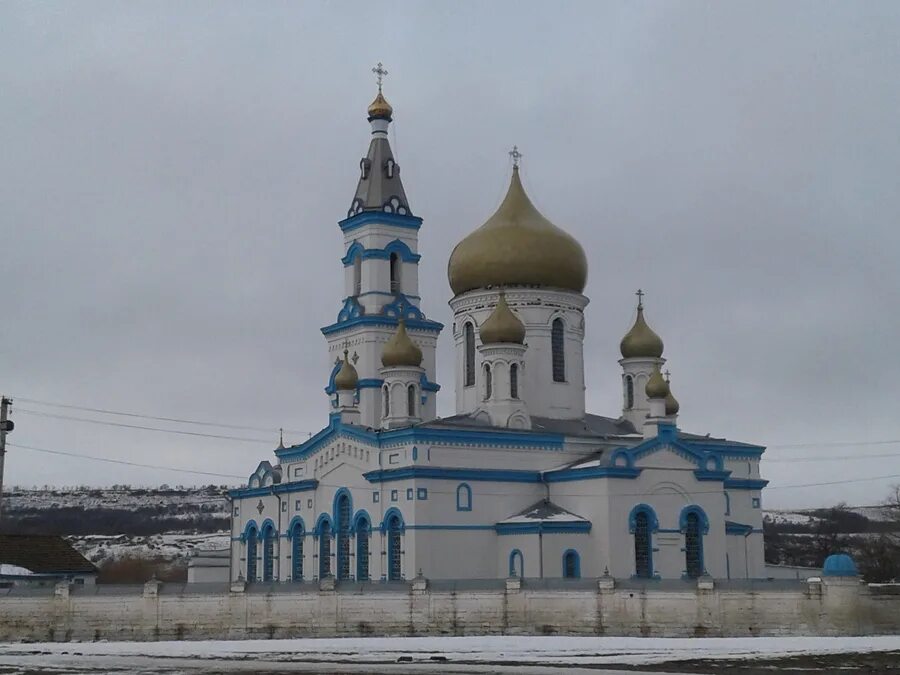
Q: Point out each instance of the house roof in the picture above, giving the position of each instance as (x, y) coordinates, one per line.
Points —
(43, 554)
(544, 511)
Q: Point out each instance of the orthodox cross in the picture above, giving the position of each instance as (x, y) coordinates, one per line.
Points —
(640, 295)
(380, 71)
(516, 156)
(281, 437)
(667, 375)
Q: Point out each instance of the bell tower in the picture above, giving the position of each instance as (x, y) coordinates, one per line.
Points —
(381, 276)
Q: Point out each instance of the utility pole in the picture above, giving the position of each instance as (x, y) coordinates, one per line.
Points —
(6, 425)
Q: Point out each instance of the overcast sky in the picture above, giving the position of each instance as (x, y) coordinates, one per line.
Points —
(171, 175)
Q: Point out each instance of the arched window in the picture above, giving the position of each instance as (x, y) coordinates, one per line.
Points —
(395, 530)
(411, 400)
(469, 334)
(571, 564)
(557, 339)
(463, 497)
(325, 550)
(693, 526)
(342, 527)
(643, 552)
(297, 552)
(363, 533)
(516, 564)
(488, 382)
(514, 381)
(395, 273)
(269, 554)
(629, 392)
(357, 275)
(386, 405)
(251, 555)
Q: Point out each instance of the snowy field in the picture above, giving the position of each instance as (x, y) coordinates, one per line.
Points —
(425, 655)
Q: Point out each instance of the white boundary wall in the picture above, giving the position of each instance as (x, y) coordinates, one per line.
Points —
(579, 607)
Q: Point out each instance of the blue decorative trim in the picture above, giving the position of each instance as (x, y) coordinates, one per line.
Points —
(566, 554)
(403, 308)
(295, 521)
(562, 475)
(428, 386)
(746, 483)
(379, 218)
(249, 526)
(250, 492)
(693, 508)
(296, 486)
(495, 475)
(396, 246)
(389, 295)
(707, 475)
(381, 320)
(463, 504)
(351, 309)
(267, 526)
(341, 492)
(361, 516)
(542, 527)
(450, 527)
(370, 383)
(388, 515)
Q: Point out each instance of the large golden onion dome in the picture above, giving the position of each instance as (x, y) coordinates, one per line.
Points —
(517, 246)
(346, 377)
(400, 350)
(502, 326)
(640, 341)
(380, 108)
(656, 385)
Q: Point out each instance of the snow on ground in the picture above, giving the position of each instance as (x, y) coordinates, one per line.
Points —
(171, 546)
(489, 649)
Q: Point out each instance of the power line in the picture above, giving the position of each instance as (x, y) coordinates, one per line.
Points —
(144, 428)
(179, 420)
(125, 462)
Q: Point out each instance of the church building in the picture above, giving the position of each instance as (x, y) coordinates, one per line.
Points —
(522, 481)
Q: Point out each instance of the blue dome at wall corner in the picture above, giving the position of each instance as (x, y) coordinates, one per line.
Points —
(839, 565)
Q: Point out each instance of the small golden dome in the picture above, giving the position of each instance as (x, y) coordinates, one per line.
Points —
(640, 341)
(517, 246)
(672, 405)
(400, 350)
(380, 108)
(656, 386)
(502, 326)
(346, 377)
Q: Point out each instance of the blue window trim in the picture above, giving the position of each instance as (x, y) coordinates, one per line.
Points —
(565, 555)
(334, 502)
(396, 246)
(321, 521)
(362, 528)
(409, 494)
(693, 508)
(755, 503)
(464, 505)
(292, 526)
(376, 497)
(652, 527)
(422, 494)
(388, 515)
(512, 563)
(395, 495)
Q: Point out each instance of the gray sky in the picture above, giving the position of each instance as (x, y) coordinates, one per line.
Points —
(171, 175)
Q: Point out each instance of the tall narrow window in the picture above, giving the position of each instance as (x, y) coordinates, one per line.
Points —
(693, 546)
(411, 400)
(395, 569)
(251, 555)
(514, 381)
(343, 536)
(629, 392)
(488, 382)
(516, 564)
(357, 275)
(557, 345)
(387, 402)
(643, 565)
(395, 273)
(325, 550)
(269, 554)
(469, 333)
(463, 497)
(297, 552)
(571, 565)
(363, 532)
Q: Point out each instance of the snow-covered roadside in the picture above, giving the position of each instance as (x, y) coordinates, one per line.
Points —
(489, 649)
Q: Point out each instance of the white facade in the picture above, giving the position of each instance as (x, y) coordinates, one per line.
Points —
(521, 481)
